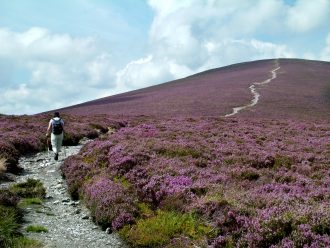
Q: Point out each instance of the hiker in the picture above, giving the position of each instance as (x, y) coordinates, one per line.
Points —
(56, 126)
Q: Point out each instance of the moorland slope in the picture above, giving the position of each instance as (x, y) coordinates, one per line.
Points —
(300, 89)
(258, 178)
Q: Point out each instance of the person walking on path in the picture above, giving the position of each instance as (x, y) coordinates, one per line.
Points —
(56, 127)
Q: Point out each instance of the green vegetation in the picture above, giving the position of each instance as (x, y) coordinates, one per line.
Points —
(11, 203)
(166, 226)
(281, 160)
(249, 175)
(123, 181)
(23, 242)
(285, 179)
(322, 227)
(30, 201)
(10, 220)
(10, 216)
(177, 151)
(229, 161)
(70, 139)
(49, 213)
(99, 127)
(36, 228)
(144, 210)
(29, 189)
(277, 229)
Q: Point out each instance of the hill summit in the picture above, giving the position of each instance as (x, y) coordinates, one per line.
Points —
(276, 88)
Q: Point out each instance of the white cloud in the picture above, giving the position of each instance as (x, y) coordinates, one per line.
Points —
(165, 8)
(100, 70)
(141, 73)
(187, 37)
(306, 15)
(230, 51)
(19, 98)
(149, 71)
(62, 70)
(39, 44)
(325, 53)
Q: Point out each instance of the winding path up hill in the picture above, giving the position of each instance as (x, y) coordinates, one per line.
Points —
(301, 89)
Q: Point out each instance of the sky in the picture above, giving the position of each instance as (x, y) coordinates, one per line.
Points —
(55, 54)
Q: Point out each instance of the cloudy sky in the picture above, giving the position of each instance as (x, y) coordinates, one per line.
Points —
(58, 53)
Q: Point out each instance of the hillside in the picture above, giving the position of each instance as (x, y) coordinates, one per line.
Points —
(300, 89)
(197, 179)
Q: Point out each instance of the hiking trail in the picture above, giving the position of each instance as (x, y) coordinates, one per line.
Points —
(255, 93)
(68, 222)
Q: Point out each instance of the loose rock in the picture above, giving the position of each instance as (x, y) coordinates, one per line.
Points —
(78, 211)
(65, 219)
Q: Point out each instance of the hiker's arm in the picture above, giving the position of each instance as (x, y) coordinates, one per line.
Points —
(48, 129)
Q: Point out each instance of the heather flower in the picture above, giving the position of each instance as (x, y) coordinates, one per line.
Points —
(76, 172)
(160, 187)
(219, 242)
(21, 135)
(287, 243)
(121, 220)
(110, 203)
(259, 183)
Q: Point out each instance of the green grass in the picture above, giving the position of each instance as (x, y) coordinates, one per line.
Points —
(158, 230)
(46, 212)
(249, 175)
(123, 181)
(30, 201)
(177, 151)
(144, 210)
(8, 222)
(36, 229)
(229, 161)
(32, 188)
(12, 215)
(285, 161)
(23, 242)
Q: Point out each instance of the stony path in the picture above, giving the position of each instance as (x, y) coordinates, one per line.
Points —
(254, 92)
(67, 221)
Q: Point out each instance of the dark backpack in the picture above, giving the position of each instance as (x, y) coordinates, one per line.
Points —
(57, 127)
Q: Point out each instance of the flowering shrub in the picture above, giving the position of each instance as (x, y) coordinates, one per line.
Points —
(110, 203)
(78, 172)
(160, 187)
(254, 181)
(21, 135)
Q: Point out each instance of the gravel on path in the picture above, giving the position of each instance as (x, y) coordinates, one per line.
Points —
(68, 222)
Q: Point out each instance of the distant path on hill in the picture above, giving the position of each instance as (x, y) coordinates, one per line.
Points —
(68, 222)
(256, 95)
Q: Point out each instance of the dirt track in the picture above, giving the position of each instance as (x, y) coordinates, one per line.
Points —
(67, 221)
(254, 92)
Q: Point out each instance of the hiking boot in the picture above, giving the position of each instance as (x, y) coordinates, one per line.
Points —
(56, 156)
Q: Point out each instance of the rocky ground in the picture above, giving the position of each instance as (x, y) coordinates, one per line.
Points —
(67, 221)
